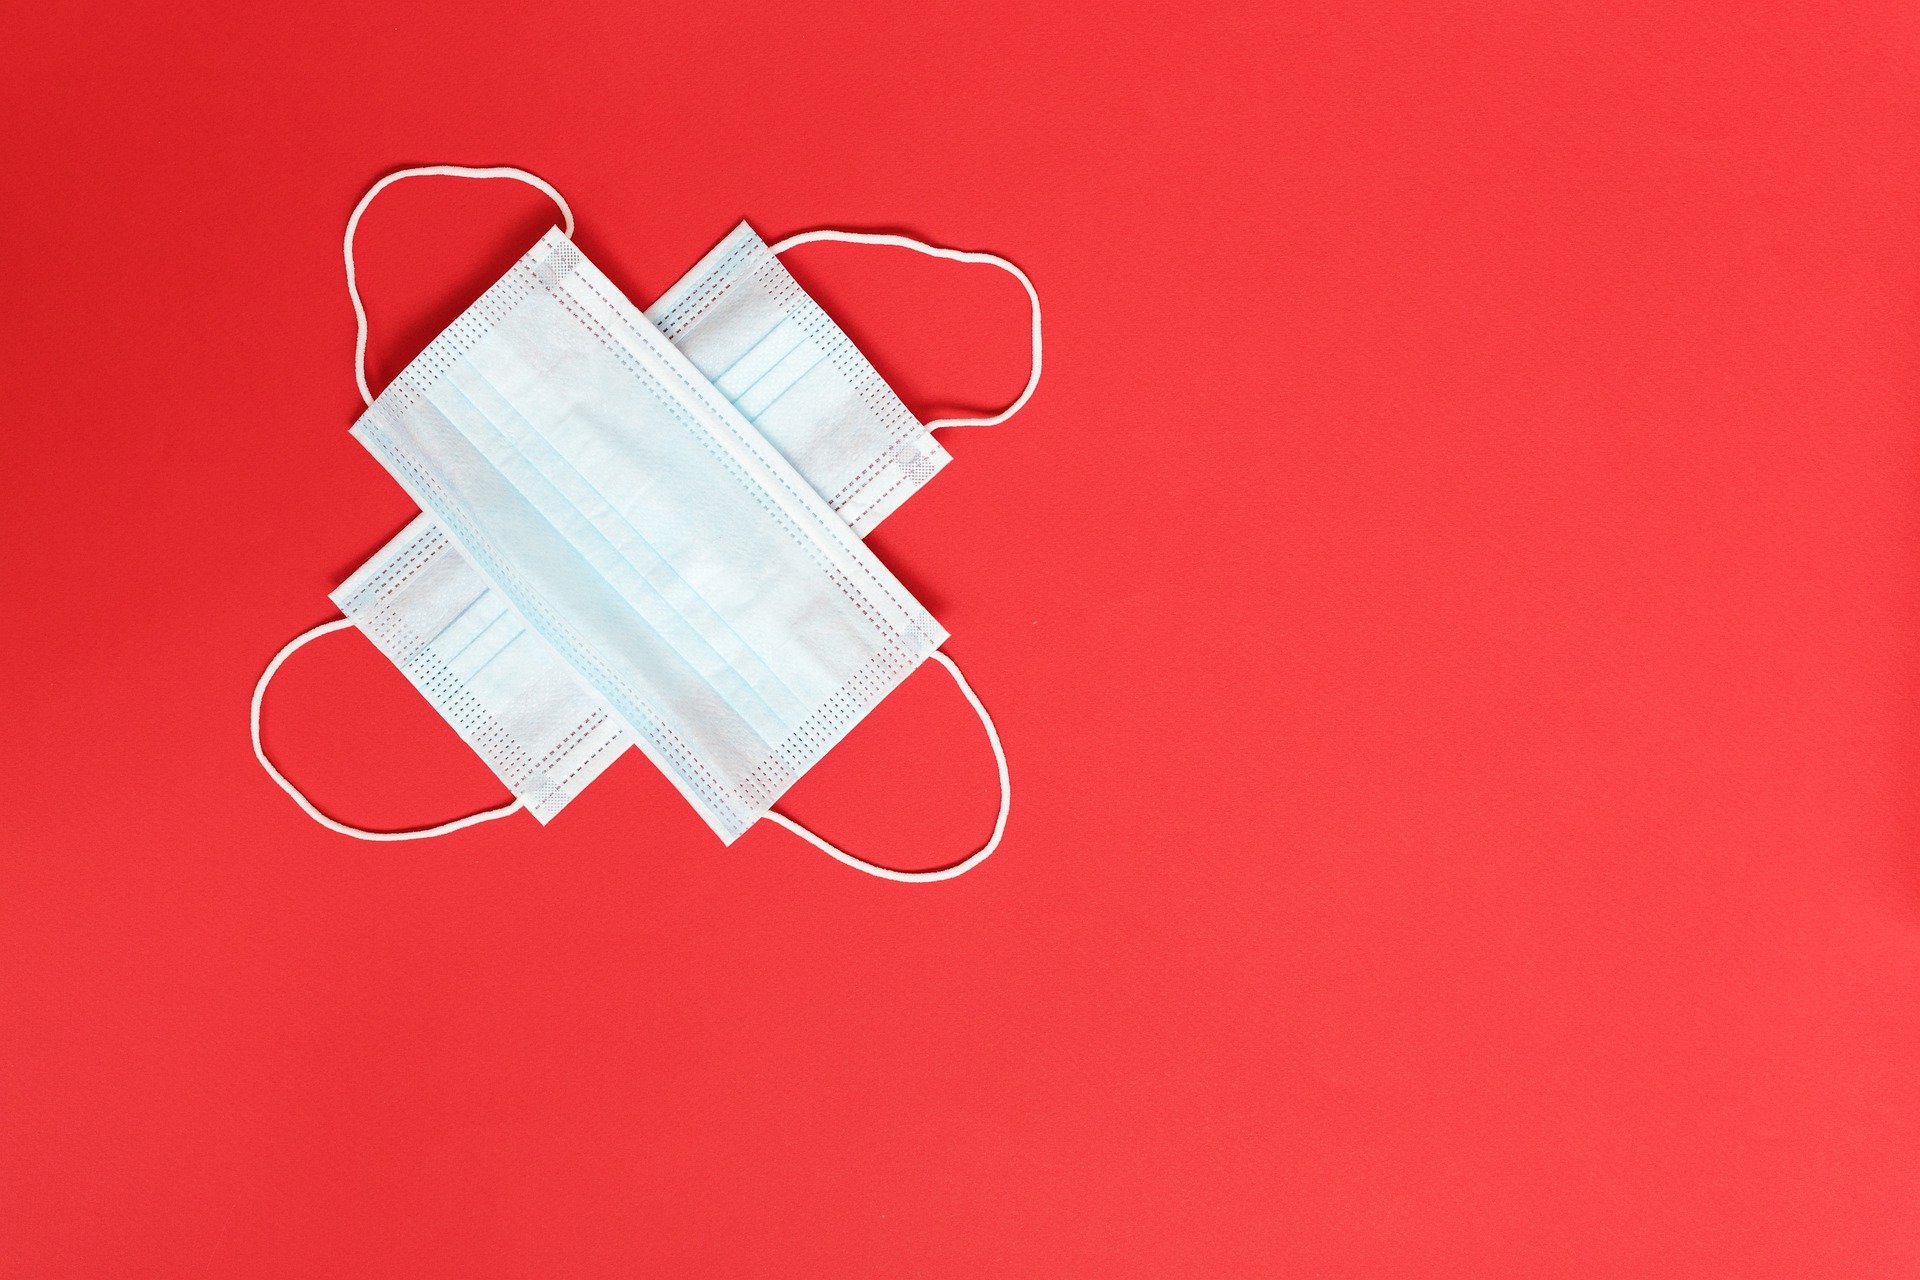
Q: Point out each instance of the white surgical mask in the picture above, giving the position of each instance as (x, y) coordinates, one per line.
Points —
(610, 554)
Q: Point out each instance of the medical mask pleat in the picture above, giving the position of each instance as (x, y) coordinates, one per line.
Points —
(759, 395)
(756, 362)
(472, 638)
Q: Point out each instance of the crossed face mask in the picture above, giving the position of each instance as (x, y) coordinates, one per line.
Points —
(641, 530)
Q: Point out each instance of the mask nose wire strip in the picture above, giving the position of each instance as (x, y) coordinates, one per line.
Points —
(971, 860)
(425, 171)
(956, 255)
(260, 754)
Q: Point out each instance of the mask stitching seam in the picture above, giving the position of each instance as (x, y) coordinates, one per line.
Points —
(722, 279)
(904, 477)
(598, 752)
(719, 279)
(896, 455)
(413, 557)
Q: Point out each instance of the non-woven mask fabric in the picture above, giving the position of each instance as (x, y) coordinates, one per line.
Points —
(630, 516)
(507, 686)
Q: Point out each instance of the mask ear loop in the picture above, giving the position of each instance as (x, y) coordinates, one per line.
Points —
(966, 864)
(358, 833)
(424, 171)
(360, 377)
(956, 255)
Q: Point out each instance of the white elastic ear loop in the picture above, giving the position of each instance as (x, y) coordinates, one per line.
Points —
(957, 255)
(260, 754)
(972, 860)
(425, 171)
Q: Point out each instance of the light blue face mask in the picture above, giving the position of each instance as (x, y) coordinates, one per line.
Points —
(614, 549)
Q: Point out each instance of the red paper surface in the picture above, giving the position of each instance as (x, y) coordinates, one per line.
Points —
(1450, 608)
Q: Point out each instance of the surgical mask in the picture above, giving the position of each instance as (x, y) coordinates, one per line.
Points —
(580, 580)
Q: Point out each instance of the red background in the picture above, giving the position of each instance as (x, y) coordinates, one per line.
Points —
(1451, 608)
